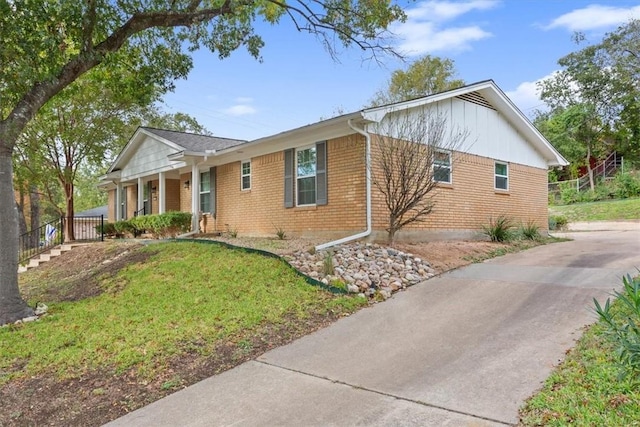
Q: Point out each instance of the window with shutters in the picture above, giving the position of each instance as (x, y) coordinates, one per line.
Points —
(306, 176)
(245, 175)
(501, 176)
(205, 192)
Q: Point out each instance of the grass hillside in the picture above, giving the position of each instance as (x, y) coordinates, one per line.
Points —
(139, 322)
(609, 210)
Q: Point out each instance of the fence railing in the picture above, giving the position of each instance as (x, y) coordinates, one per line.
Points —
(51, 234)
(39, 240)
(605, 169)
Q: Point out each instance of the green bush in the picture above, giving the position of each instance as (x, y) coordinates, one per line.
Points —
(108, 228)
(499, 229)
(168, 224)
(623, 325)
(626, 185)
(124, 228)
(558, 222)
(530, 230)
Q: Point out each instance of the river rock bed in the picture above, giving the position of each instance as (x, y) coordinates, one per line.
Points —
(367, 269)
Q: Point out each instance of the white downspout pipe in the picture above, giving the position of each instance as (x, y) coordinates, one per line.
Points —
(367, 232)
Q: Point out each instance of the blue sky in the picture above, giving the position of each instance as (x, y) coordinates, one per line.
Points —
(513, 42)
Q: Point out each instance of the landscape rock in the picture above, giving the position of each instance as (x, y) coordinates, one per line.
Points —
(366, 268)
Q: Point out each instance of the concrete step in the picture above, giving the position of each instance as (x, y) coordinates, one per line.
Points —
(45, 257)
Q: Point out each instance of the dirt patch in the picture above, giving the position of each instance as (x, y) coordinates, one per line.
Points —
(100, 396)
(75, 274)
(445, 256)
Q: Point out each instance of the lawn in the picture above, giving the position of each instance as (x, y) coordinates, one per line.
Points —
(610, 210)
(143, 323)
(587, 388)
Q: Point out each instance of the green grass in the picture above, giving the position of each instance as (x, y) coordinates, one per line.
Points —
(185, 298)
(586, 389)
(610, 210)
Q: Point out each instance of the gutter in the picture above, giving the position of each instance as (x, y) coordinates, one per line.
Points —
(367, 232)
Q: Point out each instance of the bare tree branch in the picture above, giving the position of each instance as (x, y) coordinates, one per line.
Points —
(407, 145)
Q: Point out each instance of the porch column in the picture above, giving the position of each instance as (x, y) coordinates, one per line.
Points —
(162, 203)
(195, 196)
(140, 204)
(118, 201)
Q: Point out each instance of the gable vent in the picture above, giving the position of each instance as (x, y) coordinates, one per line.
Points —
(476, 98)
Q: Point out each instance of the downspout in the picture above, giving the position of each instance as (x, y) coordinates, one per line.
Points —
(367, 232)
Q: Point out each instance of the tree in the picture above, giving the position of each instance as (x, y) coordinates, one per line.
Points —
(413, 150)
(82, 125)
(425, 76)
(47, 45)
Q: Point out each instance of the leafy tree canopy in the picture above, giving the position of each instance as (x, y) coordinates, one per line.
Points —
(46, 45)
(426, 76)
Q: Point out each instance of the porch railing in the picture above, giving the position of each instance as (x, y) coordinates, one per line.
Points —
(140, 212)
(51, 234)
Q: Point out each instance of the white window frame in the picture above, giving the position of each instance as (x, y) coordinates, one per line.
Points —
(244, 175)
(496, 176)
(298, 177)
(447, 166)
(200, 192)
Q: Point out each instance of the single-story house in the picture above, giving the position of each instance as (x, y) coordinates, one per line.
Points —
(314, 180)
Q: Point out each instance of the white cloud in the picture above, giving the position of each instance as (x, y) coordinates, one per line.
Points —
(593, 17)
(446, 10)
(240, 110)
(425, 30)
(527, 96)
(242, 107)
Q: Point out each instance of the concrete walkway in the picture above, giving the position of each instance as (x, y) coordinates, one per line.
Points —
(463, 349)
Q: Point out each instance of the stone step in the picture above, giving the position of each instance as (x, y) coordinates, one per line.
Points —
(55, 252)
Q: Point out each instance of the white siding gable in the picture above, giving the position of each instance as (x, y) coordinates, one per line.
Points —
(489, 133)
(149, 157)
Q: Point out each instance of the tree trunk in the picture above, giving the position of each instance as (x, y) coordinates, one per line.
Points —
(12, 306)
(592, 184)
(69, 233)
(34, 206)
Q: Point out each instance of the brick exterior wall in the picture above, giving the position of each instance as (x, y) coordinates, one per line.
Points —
(260, 210)
(460, 208)
(111, 205)
(471, 200)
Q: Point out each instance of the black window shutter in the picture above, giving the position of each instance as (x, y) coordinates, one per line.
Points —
(321, 173)
(288, 178)
(212, 191)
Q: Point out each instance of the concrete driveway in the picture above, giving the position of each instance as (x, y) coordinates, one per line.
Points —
(463, 349)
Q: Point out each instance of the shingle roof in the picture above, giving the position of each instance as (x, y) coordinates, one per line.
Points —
(195, 142)
(100, 210)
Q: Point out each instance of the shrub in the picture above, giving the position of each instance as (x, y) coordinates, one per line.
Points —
(623, 325)
(327, 263)
(124, 228)
(626, 185)
(168, 224)
(499, 229)
(530, 230)
(108, 228)
(280, 233)
(558, 222)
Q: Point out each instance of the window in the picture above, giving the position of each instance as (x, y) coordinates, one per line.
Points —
(501, 176)
(245, 175)
(205, 192)
(123, 203)
(306, 176)
(442, 167)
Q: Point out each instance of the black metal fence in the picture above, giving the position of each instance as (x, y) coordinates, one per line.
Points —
(51, 234)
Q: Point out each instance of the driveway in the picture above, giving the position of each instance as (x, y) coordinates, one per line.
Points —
(463, 349)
